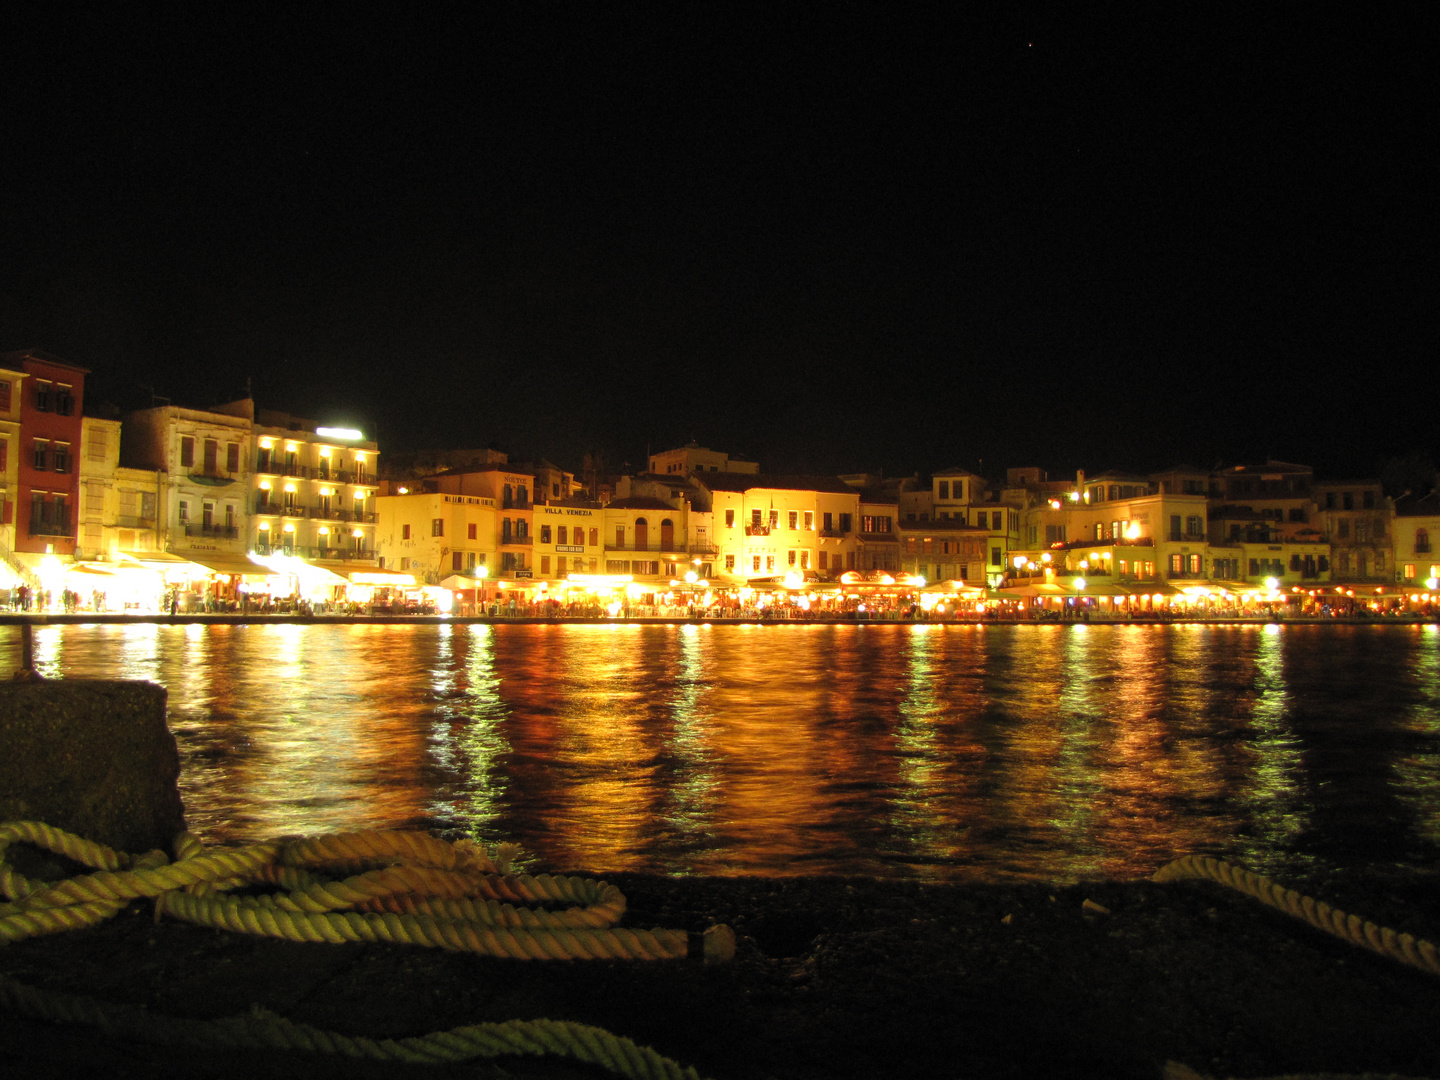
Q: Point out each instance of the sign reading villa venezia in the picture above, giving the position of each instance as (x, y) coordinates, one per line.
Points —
(232, 482)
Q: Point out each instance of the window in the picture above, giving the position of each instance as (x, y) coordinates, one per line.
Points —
(1177, 564)
(96, 446)
(774, 519)
(997, 557)
(212, 457)
(594, 537)
(844, 523)
(4, 454)
(64, 399)
(44, 394)
(1422, 541)
(404, 532)
(1347, 501)
(827, 522)
(545, 534)
(232, 457)
(619, 536)
(561, 534)
(1194, 564)
(755, 562)
(1175, 533)
(793, 556)
(1054, 534)
(187, 451)
(809, 520)
(824, 560)
(729, 519)
(804, 560)
(470, 531)
(729, 563)
(437, 526)
(4, 396)
(42, 453)
(769, 562)
(1342, 528)
(755, 518)
(1367, 500)
(544, 565)
(183, 511)
(794, 520)
(1409, 570)
(943, 489)
(1194, 526)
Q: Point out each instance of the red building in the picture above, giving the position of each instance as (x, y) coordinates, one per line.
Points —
(47, 481)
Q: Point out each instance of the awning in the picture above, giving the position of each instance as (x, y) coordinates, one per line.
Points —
(233, 564)
(371, 576)
(162, 562)
(93, 569)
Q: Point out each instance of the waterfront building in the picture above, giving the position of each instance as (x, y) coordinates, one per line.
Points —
(12, 379)
(693, 457)
(768, 526)
(651, 540)
(877, 544)
(1355, 517)
(46, 489)
(117, 515)
(432, 534)
(202, 458)
(944, 550)
(483, 520)
(1278, 493)
(1416, 536)
(569, 538)
(313, 489)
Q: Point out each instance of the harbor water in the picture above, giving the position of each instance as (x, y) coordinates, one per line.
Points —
(950, 752)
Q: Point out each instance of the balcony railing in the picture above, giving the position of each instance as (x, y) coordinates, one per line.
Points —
(125, 521)
(757, 530)
(874, 537)
(57, 527)
(511, 539)
(832, 534)
(222, 532)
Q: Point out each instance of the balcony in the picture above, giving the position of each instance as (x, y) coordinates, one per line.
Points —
(56, 527)
(125, 521)
(832, 534)
(511, 540)
(757, 530)
(877, 537)
(220, 532)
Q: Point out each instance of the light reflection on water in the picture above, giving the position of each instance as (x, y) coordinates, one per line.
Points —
(952, 752)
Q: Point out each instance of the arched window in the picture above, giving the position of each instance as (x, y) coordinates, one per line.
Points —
(667, 535)
(1422, 541)
(642, 528)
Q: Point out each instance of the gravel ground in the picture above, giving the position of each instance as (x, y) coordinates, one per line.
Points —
(833, 977)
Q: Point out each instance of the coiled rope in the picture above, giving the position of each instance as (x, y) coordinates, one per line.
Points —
(402, 887)
(1406, 948)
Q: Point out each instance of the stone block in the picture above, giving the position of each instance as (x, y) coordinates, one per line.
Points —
(92, 756)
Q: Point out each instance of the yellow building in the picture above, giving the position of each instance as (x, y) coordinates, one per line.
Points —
(313, 489)
(768, 526)
(569, 539)
(117, 508)
(421, 534)
(654, 541)
(695, 458)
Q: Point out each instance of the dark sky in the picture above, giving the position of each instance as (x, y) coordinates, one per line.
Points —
(832, 237)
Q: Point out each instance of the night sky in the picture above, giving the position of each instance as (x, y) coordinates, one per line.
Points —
(831, 238)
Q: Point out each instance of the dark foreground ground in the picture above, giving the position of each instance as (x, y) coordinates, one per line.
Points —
(832, 978)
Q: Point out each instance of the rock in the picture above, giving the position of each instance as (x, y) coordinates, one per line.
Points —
(93, 757)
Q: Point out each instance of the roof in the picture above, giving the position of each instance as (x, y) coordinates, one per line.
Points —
(1418, 505)
(956, 470)
(18, 357)
(640, 502)
(741, 482)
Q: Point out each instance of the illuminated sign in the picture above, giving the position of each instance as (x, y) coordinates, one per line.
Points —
(346, 433)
